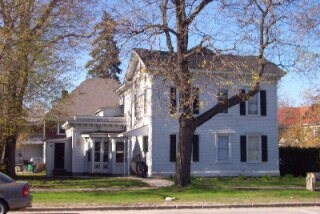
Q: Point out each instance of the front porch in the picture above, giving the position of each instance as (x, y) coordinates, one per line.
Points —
(105, 154)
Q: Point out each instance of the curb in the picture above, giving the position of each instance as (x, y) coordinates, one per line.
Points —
(161, 207)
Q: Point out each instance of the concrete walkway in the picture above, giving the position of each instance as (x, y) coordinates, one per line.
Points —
(155, 182)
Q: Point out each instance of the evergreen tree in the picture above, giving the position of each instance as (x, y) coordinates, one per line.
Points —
(105, 54)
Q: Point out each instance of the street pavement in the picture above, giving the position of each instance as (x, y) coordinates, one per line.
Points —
(261, 210)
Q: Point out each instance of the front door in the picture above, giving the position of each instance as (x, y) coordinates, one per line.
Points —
(59, 156)
(101, 157)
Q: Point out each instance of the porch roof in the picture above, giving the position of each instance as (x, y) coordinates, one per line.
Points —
(141, 131)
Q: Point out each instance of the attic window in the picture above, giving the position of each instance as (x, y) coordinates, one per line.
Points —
(60, 130)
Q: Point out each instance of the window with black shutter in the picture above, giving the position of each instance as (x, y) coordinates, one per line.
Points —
(195, 148)
(173, 148)
(251, 106)
(196, 102)
(263, 103)
(243, 104)
(222, 97)
(173, 100)
(264, 148)
(243, 148)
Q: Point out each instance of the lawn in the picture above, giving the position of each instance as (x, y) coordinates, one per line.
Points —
(203, 190)
(81, 183)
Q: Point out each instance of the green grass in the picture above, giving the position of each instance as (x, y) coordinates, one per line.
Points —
(202, 190)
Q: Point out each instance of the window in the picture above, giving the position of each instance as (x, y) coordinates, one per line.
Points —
(222, 96)
(145, 101)
(223, 148)
(254, 148)
(135, 103)
(120, 152)
(255, 105)
(60, 130)
(173, 148)
(145, 144)
(196, 103)
(195, 148)
(173, 100)
(106, 151)
(97, 151)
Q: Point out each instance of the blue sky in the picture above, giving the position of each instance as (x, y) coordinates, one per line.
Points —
(291, 87)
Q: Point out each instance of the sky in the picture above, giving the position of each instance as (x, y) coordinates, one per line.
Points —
(291, 88)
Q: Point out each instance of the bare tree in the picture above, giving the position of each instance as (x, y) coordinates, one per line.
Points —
(305, 23)
(187, 27)
(35, 37)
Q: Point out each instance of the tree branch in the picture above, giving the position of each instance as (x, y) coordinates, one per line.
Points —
(164, 8)
(225, 104)
(196, 11)
(45, 16)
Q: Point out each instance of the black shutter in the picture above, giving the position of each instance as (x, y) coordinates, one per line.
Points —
(264, 148)
(196, 101)
(263, 102)
(243, 104)
(173, 148)
(195, 148)
(243, 148)
(173, 100)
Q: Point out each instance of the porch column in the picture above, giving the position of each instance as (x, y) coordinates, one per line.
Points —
(91, 145)
(113, 154)
(128, 142)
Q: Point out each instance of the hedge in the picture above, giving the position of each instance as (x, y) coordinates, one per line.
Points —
(298, 161)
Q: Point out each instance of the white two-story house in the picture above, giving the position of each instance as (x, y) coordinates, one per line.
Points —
(242, 140)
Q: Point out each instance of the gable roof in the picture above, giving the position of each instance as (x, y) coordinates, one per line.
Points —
(292, 116)
(205, 59)
(91, 95)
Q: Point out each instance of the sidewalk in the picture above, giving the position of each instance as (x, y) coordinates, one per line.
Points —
(167, 205)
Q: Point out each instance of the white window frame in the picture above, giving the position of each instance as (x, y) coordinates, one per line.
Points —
(258, 105)
(229, 148)
(178, 107)
(124, 152)
(219, 91)
(259, 148)
(59, 127)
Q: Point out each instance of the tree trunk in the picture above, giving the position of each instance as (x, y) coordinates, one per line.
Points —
(10, 155)
(183, 163)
